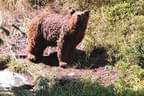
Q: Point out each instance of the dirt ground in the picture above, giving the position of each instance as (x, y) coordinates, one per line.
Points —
(106, 74)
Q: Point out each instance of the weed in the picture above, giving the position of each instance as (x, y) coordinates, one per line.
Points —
(18, 67)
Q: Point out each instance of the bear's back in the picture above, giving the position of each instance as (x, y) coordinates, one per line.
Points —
(53, 25)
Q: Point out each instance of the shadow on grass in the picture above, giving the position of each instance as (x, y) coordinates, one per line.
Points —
(51, 60)
(3, 66)
(97, 58)
(3, 62)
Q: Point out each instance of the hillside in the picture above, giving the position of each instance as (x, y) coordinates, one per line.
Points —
(108, 62)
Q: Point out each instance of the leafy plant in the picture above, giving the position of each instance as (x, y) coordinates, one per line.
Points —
(4, 30)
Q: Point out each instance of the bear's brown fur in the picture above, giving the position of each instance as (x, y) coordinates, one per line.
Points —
(63, 31)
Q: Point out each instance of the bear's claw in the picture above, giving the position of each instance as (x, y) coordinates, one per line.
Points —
(31, 57)
(63, 64)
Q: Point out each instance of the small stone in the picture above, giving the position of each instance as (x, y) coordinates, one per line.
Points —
(71, 74)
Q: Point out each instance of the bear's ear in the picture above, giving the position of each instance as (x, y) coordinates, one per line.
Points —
(72, 12)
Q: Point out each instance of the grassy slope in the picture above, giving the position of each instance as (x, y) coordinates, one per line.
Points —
(117, 27)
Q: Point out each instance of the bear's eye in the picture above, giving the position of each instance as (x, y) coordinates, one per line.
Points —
(79, 16)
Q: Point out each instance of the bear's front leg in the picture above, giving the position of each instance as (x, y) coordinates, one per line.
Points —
(62, 51)
(31, 57)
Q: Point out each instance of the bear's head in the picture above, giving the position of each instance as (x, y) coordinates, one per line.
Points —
(79, 19)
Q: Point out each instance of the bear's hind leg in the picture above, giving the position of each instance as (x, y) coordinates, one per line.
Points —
(35, 51)
(31, 49)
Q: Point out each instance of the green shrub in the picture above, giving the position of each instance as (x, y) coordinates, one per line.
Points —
(18, 67)
(119, 12)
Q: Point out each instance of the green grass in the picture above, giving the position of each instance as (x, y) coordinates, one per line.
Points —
(17, 66)
(82, 87)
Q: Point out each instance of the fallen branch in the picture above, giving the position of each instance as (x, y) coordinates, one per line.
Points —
(11, 51)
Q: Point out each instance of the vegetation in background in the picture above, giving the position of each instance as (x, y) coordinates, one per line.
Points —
(14, 4)
(118, 27)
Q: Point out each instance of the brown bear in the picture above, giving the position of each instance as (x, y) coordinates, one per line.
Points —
(63, 31)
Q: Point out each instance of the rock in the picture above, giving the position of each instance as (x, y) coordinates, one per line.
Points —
(8, 80)
(68, 77)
